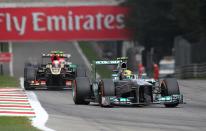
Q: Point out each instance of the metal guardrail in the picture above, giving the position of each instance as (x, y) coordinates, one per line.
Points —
(191, 71)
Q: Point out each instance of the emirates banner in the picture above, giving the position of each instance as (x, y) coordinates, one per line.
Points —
(63, 23)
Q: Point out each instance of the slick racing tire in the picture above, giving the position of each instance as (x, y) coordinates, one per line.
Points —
(170, 87)
(106, 89)
(81, 90)
(29, 75)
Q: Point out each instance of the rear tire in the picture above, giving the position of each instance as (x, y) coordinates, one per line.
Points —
(81, 90)
(29, 75)
(170, 87)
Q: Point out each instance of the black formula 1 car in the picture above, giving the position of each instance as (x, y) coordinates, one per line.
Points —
(125, 90)
(55, 71)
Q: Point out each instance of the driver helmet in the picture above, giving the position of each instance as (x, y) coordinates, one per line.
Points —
(55, 60)
(56, 63)
(127, 74)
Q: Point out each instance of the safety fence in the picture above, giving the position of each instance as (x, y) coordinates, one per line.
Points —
(191, 71)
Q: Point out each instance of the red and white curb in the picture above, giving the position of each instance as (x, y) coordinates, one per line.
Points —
(14, 102)
(41, 115)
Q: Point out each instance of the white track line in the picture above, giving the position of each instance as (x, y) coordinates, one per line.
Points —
(15, 107)
(13, 98)
(6, 97)
(41, 115)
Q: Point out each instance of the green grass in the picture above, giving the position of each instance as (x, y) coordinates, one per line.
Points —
(7, 81)
(91, 55)
(8, 123)
(16, 124)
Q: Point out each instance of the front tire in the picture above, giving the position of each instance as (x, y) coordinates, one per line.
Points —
(29, 75)
(81, 90)
(106, 89)
(170, 87)
(27, 86)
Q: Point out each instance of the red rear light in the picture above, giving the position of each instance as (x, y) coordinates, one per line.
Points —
(68, 83)
(43, 82)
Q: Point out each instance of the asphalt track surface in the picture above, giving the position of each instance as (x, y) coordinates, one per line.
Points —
(65, 116)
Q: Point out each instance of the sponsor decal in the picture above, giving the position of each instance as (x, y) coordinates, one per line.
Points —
(5, 57)
(107, 62)
(64, 23)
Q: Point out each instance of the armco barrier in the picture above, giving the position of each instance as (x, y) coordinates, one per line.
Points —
(191, 71)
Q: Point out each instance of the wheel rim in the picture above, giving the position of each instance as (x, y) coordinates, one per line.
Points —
(163, 89)
(101, 94)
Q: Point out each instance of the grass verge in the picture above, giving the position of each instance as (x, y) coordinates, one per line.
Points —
(91, 55)
(7, 81)
(16, 124)
(10, 123)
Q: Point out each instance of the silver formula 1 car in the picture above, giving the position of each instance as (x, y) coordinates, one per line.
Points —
(123, 89)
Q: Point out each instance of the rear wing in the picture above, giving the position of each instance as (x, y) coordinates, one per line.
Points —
(45, 61)
(121, 63)
(60, 55)
(111, 62)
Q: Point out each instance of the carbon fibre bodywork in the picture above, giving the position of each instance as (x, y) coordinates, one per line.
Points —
(130, 91)
(49, 75)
